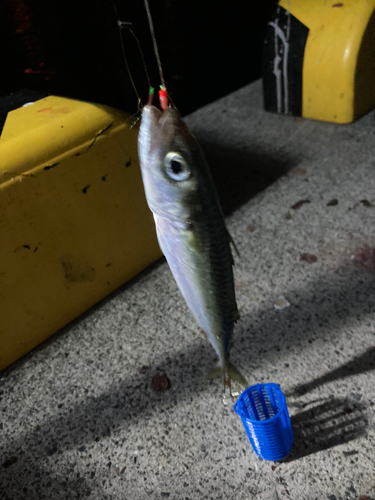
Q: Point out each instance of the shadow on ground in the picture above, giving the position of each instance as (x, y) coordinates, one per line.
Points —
(240, 174)
(325, 425)
(360, 364)
(130, 401)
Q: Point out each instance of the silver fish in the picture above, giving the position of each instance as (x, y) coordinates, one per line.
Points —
(190, 226)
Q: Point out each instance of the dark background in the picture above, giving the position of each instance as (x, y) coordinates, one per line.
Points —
(72, 48)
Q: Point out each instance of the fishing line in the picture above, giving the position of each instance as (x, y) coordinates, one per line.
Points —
(156, 50)
(121, 25)
(141, 54)
(164, 97)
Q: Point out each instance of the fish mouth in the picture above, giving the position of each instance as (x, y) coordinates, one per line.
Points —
(160, 127)
(149, 132)
(155, 117)
(151, 115)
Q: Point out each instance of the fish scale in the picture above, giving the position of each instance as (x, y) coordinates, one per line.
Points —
(190, 226)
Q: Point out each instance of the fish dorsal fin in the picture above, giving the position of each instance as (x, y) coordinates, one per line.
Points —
(233, 243)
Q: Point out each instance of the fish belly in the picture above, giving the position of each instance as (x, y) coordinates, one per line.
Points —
(201, 263)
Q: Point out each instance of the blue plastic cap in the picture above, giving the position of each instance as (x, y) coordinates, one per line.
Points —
(265, 416)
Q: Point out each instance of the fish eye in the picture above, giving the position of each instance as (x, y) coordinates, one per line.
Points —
(175, 167)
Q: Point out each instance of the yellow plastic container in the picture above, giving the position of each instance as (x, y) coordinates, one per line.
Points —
(336, 64)
(74, 224)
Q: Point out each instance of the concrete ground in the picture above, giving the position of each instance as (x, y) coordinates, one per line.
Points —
(79, 416)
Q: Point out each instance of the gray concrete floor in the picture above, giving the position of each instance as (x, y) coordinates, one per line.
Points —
(79, 418)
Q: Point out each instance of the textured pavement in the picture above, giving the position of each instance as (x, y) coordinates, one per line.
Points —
(80, 417)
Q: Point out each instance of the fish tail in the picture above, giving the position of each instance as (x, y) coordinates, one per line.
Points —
(230, 374)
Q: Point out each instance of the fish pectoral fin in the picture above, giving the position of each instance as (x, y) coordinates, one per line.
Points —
(194, 242)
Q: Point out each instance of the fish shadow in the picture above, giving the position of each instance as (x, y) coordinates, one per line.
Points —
(239, 174)
(326, 425)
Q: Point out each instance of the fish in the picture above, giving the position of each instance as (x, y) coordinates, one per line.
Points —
(190, 227)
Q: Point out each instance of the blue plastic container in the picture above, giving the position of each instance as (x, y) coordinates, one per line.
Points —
(265, 416)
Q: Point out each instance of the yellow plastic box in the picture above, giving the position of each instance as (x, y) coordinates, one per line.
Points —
(74, 224)
(319, 59)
